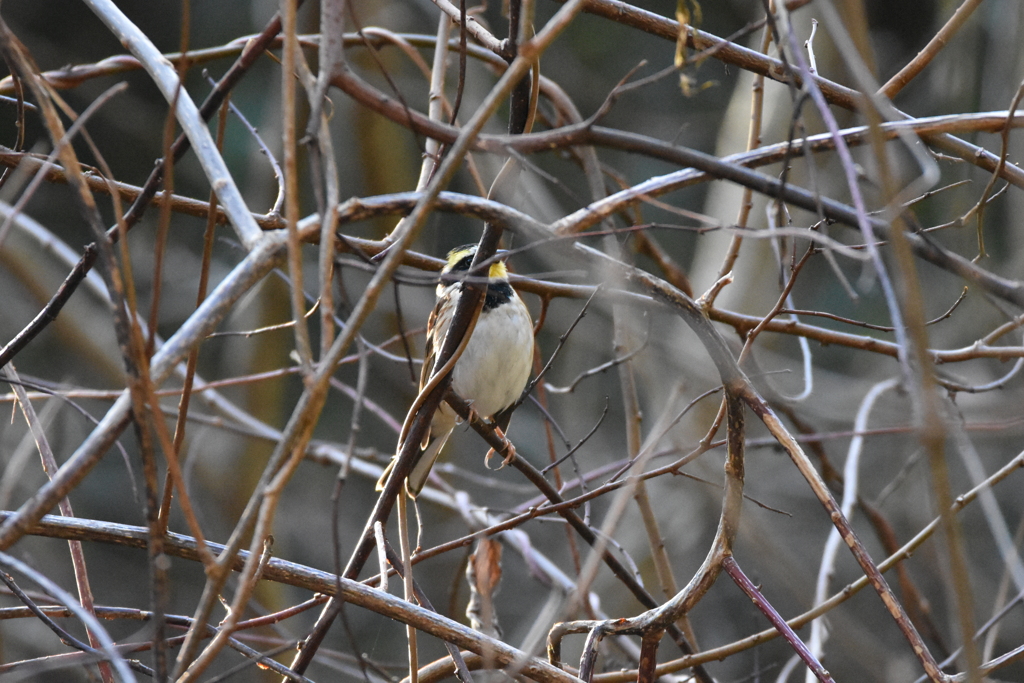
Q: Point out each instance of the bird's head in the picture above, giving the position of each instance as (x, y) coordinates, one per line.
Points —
(461, 258)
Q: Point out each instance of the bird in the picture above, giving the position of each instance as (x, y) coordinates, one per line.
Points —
(493, 369)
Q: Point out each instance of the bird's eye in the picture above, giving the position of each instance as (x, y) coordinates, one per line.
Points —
(463, 263)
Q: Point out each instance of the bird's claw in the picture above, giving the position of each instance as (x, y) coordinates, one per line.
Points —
(510, 450)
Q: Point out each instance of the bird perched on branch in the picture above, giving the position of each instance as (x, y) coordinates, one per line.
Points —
(494, 366)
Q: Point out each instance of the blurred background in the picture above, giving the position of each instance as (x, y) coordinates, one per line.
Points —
(783, 529)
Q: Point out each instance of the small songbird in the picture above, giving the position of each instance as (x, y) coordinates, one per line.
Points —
(493, 369)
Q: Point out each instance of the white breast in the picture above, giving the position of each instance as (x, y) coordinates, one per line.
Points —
(493, 370)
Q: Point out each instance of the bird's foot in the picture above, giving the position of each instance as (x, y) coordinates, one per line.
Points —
(510, 450)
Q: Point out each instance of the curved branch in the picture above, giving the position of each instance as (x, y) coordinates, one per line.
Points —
(317, 581)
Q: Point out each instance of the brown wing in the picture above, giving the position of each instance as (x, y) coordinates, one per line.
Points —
(437, 326)
(428, 351)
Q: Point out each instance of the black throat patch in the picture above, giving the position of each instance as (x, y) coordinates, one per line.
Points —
(498, 293)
